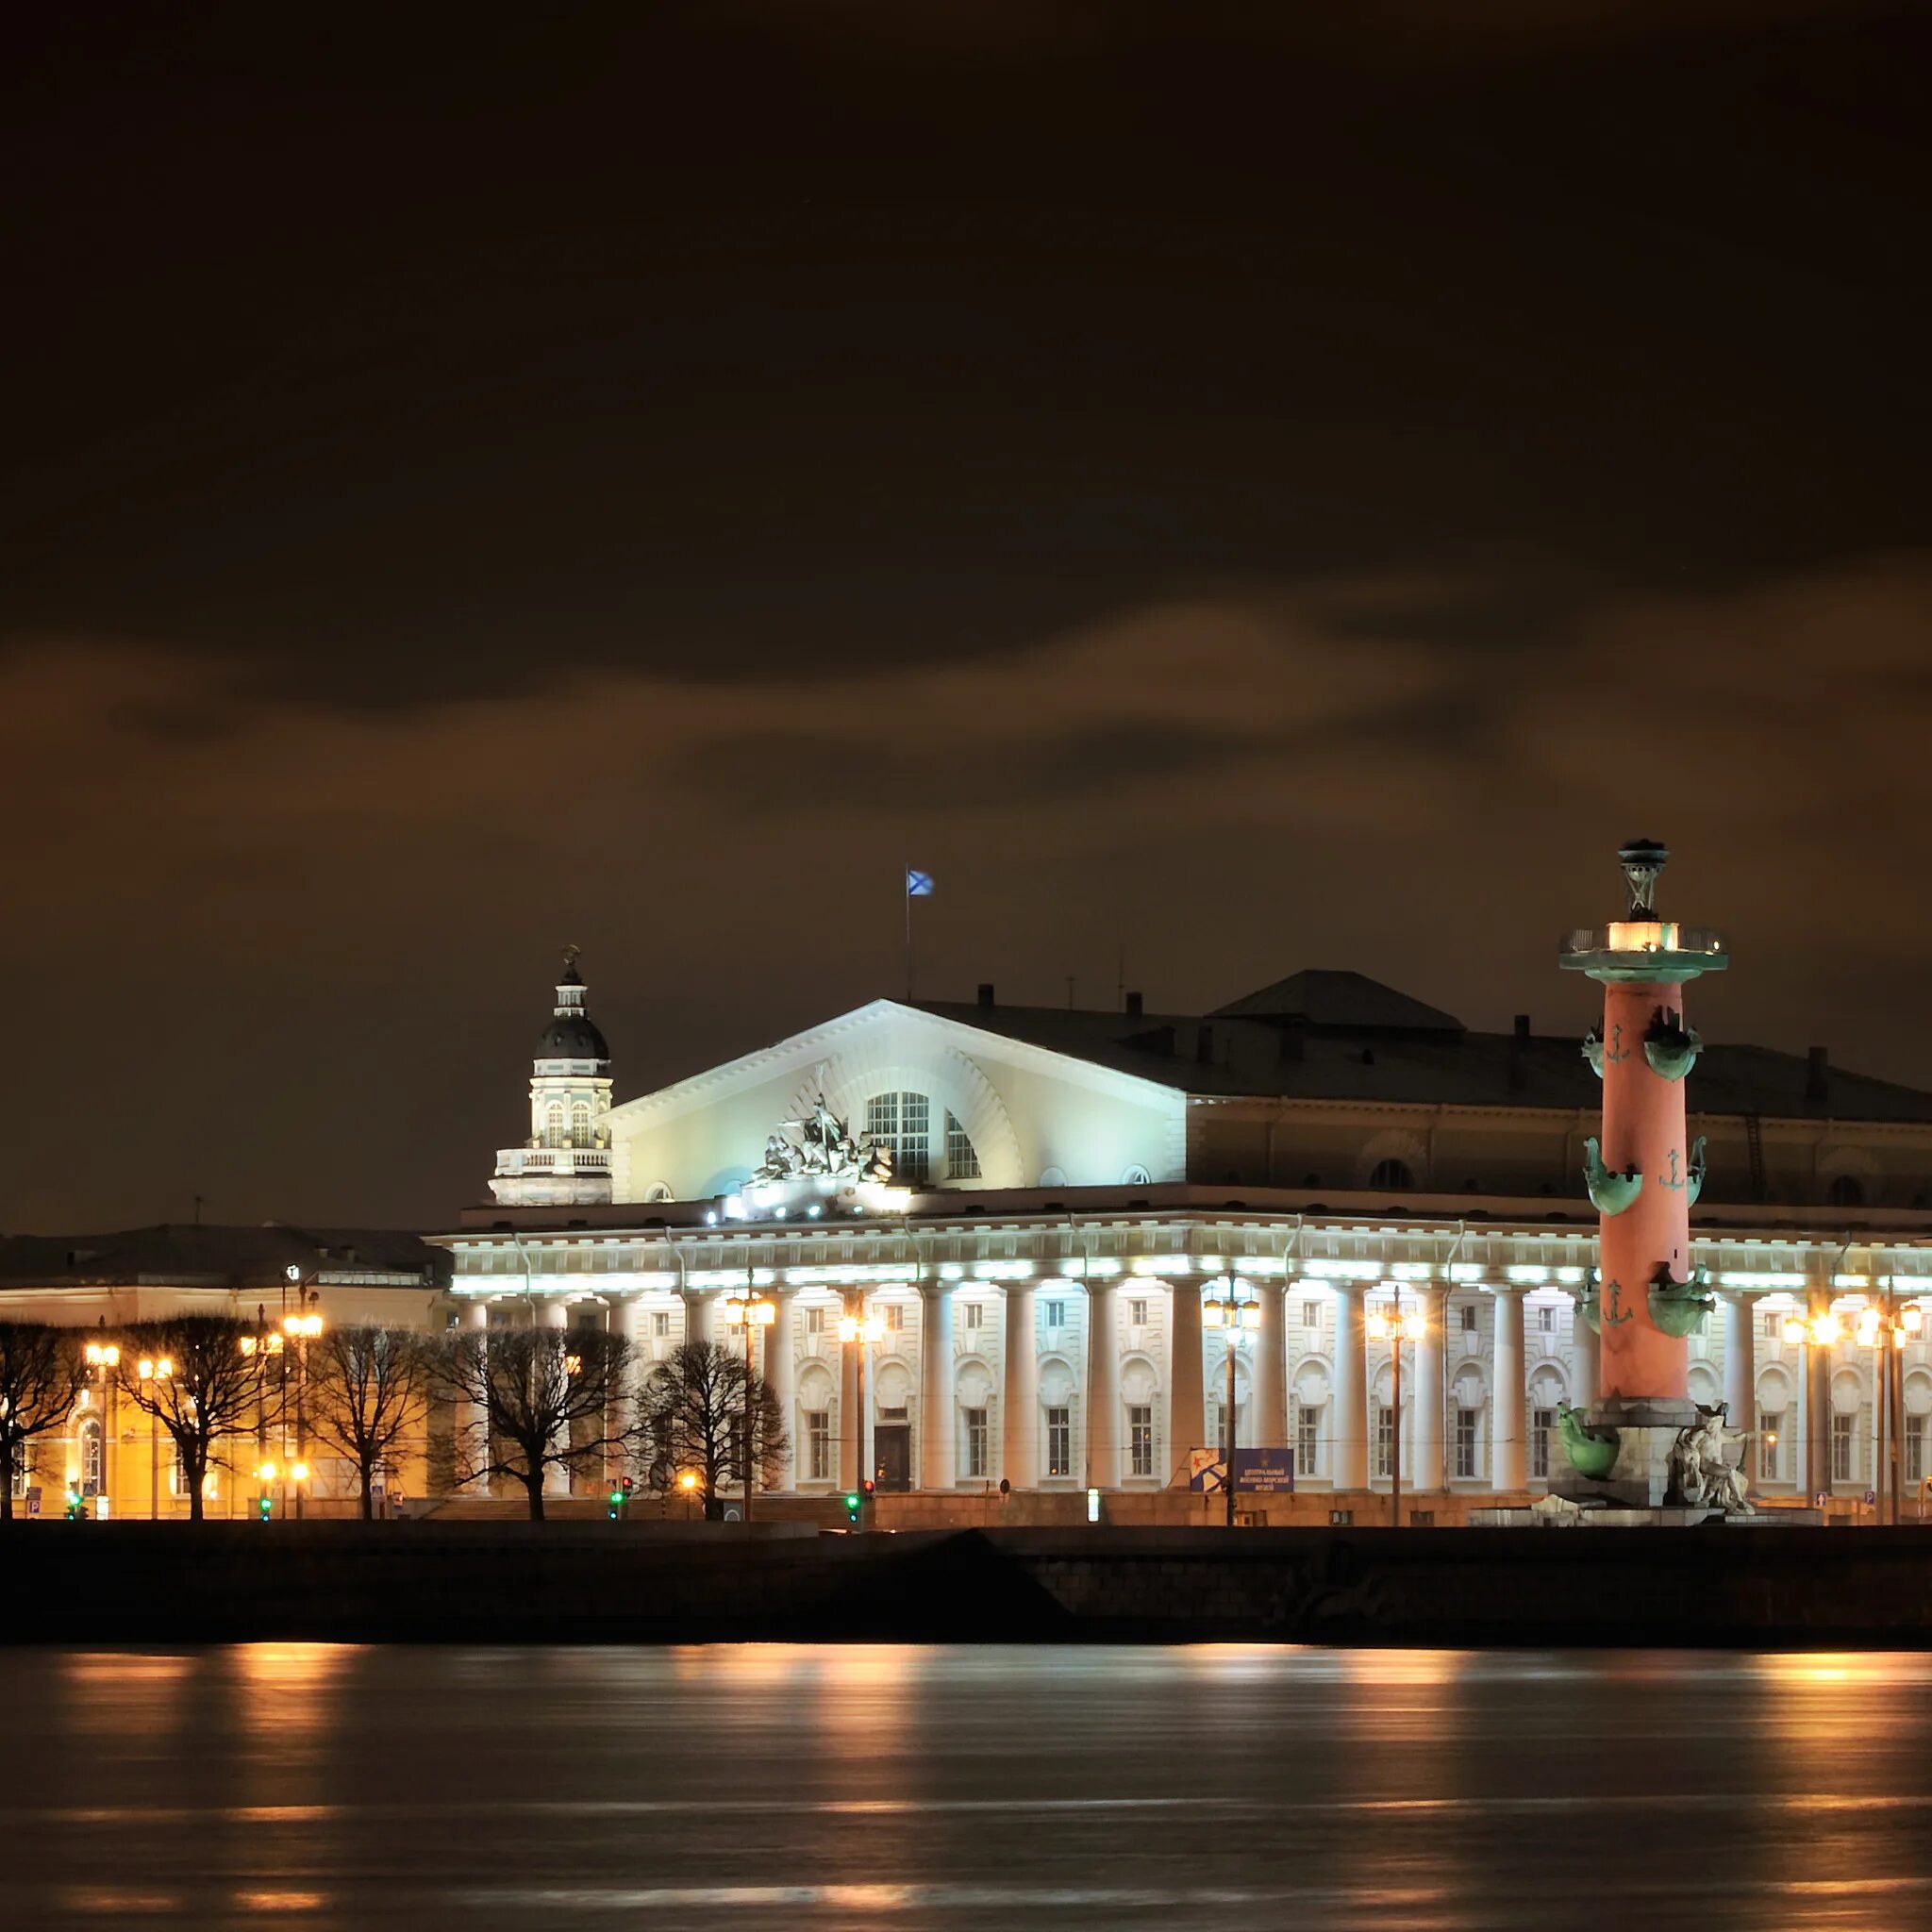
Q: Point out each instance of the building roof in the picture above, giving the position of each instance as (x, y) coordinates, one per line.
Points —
(171, 1256)
(1341, 1002)
(1340, 1035)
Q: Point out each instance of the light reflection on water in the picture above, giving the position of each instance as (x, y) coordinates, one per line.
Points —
(769, 1786)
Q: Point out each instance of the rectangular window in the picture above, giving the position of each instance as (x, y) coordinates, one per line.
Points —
(1841, 1448)
(1466, 1420)
(1307, 1438)
(1772, 1325)
(1468, 1318)
(1137, 1314)
(1385, 1440)
(1770, 1429)
(1140, 1440)
(1542, 1425)
(962, 1159)
(818, 1444)
(1060, 1443)
(976, 1443)
(1311, 1314)
(660, 1322)
(895, 1315)
(1915, 1448)
(974, 1311)
(1056, 1314)
(1546, 1318)
(814, 1320)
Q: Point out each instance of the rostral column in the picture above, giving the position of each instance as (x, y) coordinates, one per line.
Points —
(1642, 1177)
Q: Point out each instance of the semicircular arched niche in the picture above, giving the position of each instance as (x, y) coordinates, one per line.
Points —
(952, 1081)
(974, 1384)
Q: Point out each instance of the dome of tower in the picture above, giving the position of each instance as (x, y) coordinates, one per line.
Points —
(571, 1037)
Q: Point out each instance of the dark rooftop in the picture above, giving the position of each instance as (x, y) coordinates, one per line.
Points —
(1340, 1035)
(171, 1255)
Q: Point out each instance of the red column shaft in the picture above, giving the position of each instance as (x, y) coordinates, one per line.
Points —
(1643, 1127)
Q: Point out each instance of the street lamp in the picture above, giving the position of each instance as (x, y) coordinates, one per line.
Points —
(102, 1358)
(1394, 1328)
(743, 1311)
(300, 1329)
(154, 1369)
(864, 1329)
(1236, 1314)
(1809, 1332)
(687, 1482)
(1885, 1330)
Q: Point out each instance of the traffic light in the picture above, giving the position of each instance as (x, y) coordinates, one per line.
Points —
(264, 1508)
(616, 1505)
(852, 1507)
(76, 1510)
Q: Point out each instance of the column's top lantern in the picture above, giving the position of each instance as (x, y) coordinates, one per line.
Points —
(1643, 859)
(1640, 946)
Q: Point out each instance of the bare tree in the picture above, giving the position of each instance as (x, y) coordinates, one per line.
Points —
(207, 1380)
(692, 1414)
(549, 1398)
(369, 1385)
(41, 1373)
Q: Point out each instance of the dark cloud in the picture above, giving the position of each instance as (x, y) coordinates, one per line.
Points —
(1199, 479)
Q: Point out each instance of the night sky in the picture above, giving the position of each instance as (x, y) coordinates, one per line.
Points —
(1260, 486)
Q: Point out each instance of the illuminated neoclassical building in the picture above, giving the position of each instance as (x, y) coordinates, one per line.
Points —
(1071, 1195)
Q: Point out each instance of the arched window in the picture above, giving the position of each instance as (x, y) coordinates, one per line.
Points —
(1392, 1174)
(581, 1126)
(552, 1124)
(902, 1124)
(1846, 1190)
(91, 1472)
(962, 1158)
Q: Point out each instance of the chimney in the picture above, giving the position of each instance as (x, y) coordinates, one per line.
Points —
(1518, 1053)
(1133, 1005)
(1203, 1045)
(1818, 1077)
(986, 992)
(1294, 1040)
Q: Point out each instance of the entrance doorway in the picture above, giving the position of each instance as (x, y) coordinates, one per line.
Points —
(893, 1455)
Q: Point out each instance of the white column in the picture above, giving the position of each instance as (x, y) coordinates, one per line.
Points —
(1740, 1361)
(851, 1425)
(1426, 1395)
(1351, 1389)
(1270, 1428)
(699, 1311)
(631, 1320)
(1586, 1355)
(1020, 1394)
(1187, 1399)
(1509, 1428)
(780, 1368)
(1102, 1389)
(936, 1399)
(472, 1420)
(556, 1476)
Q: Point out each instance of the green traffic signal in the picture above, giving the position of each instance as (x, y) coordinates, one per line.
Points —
(851, 1509)
(264, 1506)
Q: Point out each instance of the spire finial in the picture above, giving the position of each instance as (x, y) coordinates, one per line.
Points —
(570, 975)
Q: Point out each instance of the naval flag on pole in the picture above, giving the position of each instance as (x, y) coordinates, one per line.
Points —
(918, 886)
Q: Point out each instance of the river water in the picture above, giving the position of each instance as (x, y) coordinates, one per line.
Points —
(313, 1786)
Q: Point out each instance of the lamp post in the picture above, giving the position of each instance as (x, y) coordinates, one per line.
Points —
(1233, 1313)
(101, 1358)
(1883, 1328)
(1395, 1328)
(151, 1370)
(864, 1330)
(301, 1329)
(1809, 1332)
(750, 1314)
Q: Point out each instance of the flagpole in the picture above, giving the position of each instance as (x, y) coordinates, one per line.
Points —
(906, 891)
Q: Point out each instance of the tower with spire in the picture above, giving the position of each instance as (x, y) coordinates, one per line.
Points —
(567, 1158)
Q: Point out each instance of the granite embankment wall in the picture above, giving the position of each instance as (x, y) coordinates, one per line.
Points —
(163, 1583)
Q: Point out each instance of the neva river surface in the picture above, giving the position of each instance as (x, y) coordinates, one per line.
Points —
(311, 1786)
